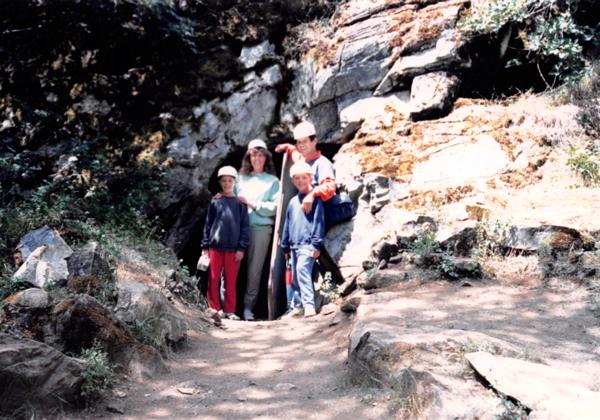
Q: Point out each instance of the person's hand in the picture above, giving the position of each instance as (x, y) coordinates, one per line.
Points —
(307, 203)
(217, 196)
(283, 147)
(245, 201)
(287, 256)
(239, 256)
(316, 254)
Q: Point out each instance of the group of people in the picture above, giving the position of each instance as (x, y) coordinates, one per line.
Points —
(240, 221)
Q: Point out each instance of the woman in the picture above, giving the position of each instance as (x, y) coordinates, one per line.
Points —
(258, 188)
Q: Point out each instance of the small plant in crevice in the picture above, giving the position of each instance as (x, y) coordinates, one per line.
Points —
(512, 409)
(586, 163)
(149, 331)
(327, 288)
(99, 372)
(425, 246)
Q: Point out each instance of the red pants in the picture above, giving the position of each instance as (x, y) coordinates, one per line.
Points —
(222, 261)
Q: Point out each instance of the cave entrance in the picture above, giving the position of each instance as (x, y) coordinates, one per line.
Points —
(272, 300)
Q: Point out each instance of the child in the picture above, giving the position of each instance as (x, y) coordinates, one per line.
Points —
(302, 240)
(226, 235)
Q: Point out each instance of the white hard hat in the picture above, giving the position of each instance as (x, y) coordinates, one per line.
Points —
(257, 144)
(304, 129)
(300, 168)
(227, 170)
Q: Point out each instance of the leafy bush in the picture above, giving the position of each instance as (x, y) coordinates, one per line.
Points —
(546, 29)
(425, 244)
(99, 372)
(586, 164)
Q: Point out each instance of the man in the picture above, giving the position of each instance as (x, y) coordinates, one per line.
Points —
(323, 183)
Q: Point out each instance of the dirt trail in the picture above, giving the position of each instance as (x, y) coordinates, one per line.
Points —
(245, 370)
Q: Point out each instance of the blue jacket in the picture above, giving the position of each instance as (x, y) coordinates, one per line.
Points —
(226, 227)
(301, 229)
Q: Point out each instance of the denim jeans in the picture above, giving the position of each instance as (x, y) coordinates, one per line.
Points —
(301, 292)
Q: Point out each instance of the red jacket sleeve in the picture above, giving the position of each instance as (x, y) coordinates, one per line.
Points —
(325, 190)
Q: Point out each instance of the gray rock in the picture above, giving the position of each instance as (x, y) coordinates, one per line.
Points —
(414, 362)
(456, 268)
(544, 238)
(138, 302)
(458, 238)
(45, 254)
(81, 321)
(351, 305)
(251, 56)
(89, 260)
(559, 393)
(35, 373)
(43, 236)
(383, 278)
(444, 56)
(589, 264)
(30, 298)
(432, 95)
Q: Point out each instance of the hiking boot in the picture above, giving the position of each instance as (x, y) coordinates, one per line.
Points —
(232, 316)
(309, 311)
(292, 313)
(248, 315)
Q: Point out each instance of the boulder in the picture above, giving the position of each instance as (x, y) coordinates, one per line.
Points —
(30, 298)
(89, 260)
(35, 373)
(251, 56)
(542, 238)
(138, 302)
(419, 364)
(458, 238)
(45, 254)
(432, 95)
(383, 278)
(81, 321)
(555, 393)
(455, 267)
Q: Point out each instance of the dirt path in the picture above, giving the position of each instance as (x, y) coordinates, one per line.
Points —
(273, 370)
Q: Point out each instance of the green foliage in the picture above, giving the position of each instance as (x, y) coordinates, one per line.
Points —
(10, 285)
(546, 29)
(99, 372)
(425, 244)
(149, 331)
(586, 164)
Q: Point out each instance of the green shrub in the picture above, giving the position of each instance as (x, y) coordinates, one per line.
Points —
(545, 28)
(99, 372)
(425, 244)
(586, 164)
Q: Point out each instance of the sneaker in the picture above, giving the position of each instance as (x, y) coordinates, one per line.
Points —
(232, 316)
(248, 315)
(292, 313)
(309, 311)
(221, 313)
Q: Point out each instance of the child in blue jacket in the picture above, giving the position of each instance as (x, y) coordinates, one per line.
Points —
(226, 236)
(302, 240)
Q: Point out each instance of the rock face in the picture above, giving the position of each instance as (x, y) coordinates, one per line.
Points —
(377, 47)
(35, 373)
(30, 298)
(44, 253)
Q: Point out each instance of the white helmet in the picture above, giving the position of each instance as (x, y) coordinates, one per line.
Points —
(300, 168)
(304, 129)
(257, 144)
(227, 170)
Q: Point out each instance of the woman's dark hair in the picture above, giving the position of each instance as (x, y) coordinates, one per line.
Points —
(246, 168)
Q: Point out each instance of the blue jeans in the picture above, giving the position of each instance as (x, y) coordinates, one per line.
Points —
(301, 292)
